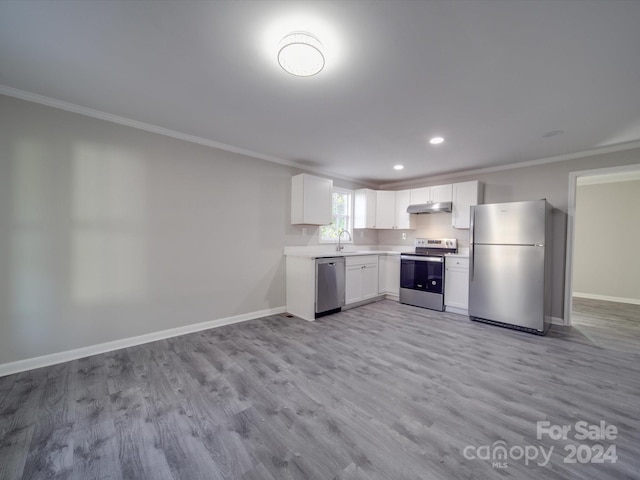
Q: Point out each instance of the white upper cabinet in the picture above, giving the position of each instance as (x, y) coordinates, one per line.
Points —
(404, 220)
(382, 209)
(465, 195)
(435, 194)
(311, 200)
(364, 210)
(420, 195)
(441, 193)
(385, 209)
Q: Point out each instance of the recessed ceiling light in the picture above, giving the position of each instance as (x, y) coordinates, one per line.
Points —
(436, 140)
(398, 167)
(301, 54)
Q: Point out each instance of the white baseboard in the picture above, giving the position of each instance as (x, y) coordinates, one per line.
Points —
(363, 302)
(61, 357)
(607, 298)
(458, 310)
(557, 321)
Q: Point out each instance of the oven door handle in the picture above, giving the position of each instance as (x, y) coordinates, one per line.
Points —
(422, 259)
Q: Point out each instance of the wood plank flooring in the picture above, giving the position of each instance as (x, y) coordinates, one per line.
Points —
(383, 391)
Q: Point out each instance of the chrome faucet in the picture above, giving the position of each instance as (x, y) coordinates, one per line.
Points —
(339, 247)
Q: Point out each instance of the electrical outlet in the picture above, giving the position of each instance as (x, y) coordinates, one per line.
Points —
(304, 231)
(404, 235)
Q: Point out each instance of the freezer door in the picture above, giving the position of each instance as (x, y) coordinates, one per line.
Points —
(515, 223)
(506, 285)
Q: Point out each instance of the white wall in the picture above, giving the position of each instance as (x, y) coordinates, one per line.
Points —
(607, 237)
(108, 232)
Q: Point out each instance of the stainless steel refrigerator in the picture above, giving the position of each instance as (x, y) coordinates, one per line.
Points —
(510, 264)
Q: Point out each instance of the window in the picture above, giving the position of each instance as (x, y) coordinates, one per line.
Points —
(342, 211)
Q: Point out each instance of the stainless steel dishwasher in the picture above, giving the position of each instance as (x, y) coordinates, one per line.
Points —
(330, 278)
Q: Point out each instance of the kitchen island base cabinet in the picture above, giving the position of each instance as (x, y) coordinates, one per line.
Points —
(361, 279)
(456, 285)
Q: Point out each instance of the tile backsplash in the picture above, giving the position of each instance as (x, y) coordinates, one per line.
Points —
(436, 225)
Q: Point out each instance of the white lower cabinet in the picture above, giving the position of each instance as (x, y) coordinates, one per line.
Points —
(456, 284)
(361, 281)
(389, 275)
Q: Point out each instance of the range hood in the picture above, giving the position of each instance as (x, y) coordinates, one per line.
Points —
(435, 207)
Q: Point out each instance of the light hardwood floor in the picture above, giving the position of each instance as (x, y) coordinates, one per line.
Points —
(384, 391)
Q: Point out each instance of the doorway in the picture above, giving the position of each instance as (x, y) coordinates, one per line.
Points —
(602, 218)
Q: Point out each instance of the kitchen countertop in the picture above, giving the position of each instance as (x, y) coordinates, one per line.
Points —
(328, 254)
(328, 250)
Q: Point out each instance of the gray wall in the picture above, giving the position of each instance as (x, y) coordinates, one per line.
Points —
(605, 212)
(550, 181)
(108, 232)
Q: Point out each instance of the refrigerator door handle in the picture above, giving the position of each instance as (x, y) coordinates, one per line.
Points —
(471, 242)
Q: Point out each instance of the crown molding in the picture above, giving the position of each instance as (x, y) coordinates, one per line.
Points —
(511, 166)
(633, 176)
(147, 127)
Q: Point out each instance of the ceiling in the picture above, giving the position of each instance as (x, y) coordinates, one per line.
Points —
(493, 77)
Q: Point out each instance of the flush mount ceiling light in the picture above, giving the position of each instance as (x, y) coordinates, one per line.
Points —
(436, 140)
(398, 167)
(301, 54)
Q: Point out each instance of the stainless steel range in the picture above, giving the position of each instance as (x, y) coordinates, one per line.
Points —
(422, 272)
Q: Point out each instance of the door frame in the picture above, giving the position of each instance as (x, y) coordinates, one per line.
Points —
(571, 214)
